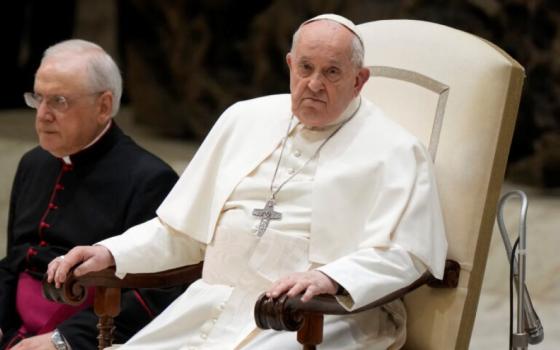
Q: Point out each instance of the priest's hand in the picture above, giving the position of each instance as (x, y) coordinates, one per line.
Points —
(88, 259)
(310, 283)
(38, 342)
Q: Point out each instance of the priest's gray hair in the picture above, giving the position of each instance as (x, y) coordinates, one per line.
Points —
(357, 54)
(103, 73)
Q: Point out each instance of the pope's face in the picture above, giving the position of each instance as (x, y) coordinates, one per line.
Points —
(65, 128)
(323, 78)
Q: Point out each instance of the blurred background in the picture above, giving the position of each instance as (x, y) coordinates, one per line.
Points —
(185, 61)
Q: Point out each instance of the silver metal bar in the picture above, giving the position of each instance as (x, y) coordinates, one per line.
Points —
(531, 320)
(520, 338)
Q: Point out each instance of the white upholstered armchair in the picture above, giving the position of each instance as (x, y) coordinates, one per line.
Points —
(459, 94)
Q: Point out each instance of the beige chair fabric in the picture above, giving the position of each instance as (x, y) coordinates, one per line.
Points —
(459, 94)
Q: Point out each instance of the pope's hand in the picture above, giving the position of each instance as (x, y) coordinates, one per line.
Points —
(88, 259)
(310, 283)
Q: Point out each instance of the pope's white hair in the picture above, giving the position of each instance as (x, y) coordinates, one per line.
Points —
(103, 73)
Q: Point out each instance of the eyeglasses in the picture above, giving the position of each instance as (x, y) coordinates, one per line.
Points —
(56, 103)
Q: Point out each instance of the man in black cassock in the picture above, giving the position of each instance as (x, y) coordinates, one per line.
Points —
(87, 181)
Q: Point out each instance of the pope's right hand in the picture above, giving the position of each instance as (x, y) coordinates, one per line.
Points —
(86, 258)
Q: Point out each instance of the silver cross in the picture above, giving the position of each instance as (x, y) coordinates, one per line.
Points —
(266, 214)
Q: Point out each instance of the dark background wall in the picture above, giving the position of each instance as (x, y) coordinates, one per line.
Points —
(185, 61)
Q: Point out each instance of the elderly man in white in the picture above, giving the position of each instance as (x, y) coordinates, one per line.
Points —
(313, 192)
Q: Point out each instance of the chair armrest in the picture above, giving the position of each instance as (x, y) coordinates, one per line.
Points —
(74, 290)
(107, 301)
(108, 292)
(287, 313)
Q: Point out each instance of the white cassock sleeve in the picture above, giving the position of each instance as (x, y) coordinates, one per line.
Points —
(152, 247)
(387, 270)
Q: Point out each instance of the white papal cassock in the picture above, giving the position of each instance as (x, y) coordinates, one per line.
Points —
(365, 212)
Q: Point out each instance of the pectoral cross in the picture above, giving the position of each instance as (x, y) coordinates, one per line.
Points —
(266, 214)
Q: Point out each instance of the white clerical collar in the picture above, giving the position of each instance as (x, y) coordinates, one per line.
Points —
(67, 159)
(348, 113)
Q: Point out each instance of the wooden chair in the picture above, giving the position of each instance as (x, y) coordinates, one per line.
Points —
(459, 94)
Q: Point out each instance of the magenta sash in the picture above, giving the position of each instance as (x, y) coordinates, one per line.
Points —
(38, 314)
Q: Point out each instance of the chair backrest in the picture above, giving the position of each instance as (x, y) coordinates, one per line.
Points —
(459, 94)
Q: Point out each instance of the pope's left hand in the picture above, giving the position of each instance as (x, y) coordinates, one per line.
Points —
(38, 342)
(310, 283)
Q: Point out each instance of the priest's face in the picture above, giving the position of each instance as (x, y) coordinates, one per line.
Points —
(323, 78)
(69, 115)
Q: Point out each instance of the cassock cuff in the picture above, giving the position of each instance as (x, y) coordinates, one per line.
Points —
(118, 274)
(342, 295)
(370, 274)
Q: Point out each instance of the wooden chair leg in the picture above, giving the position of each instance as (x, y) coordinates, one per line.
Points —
(106, 328)
(107, 305)
(311, 333)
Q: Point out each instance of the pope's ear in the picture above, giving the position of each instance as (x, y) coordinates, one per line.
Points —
(289, 60)
(105, 106)
(361, 79)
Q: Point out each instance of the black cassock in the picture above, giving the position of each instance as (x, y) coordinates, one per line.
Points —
(107, 188)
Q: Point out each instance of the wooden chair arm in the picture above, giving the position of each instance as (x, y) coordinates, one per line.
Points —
(288, 313)
(74, 290)
(107, 299)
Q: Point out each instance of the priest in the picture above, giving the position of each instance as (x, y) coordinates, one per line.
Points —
(85, 182)
(316, 192)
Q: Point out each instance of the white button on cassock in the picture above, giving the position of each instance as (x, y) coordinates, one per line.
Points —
(206, 328)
